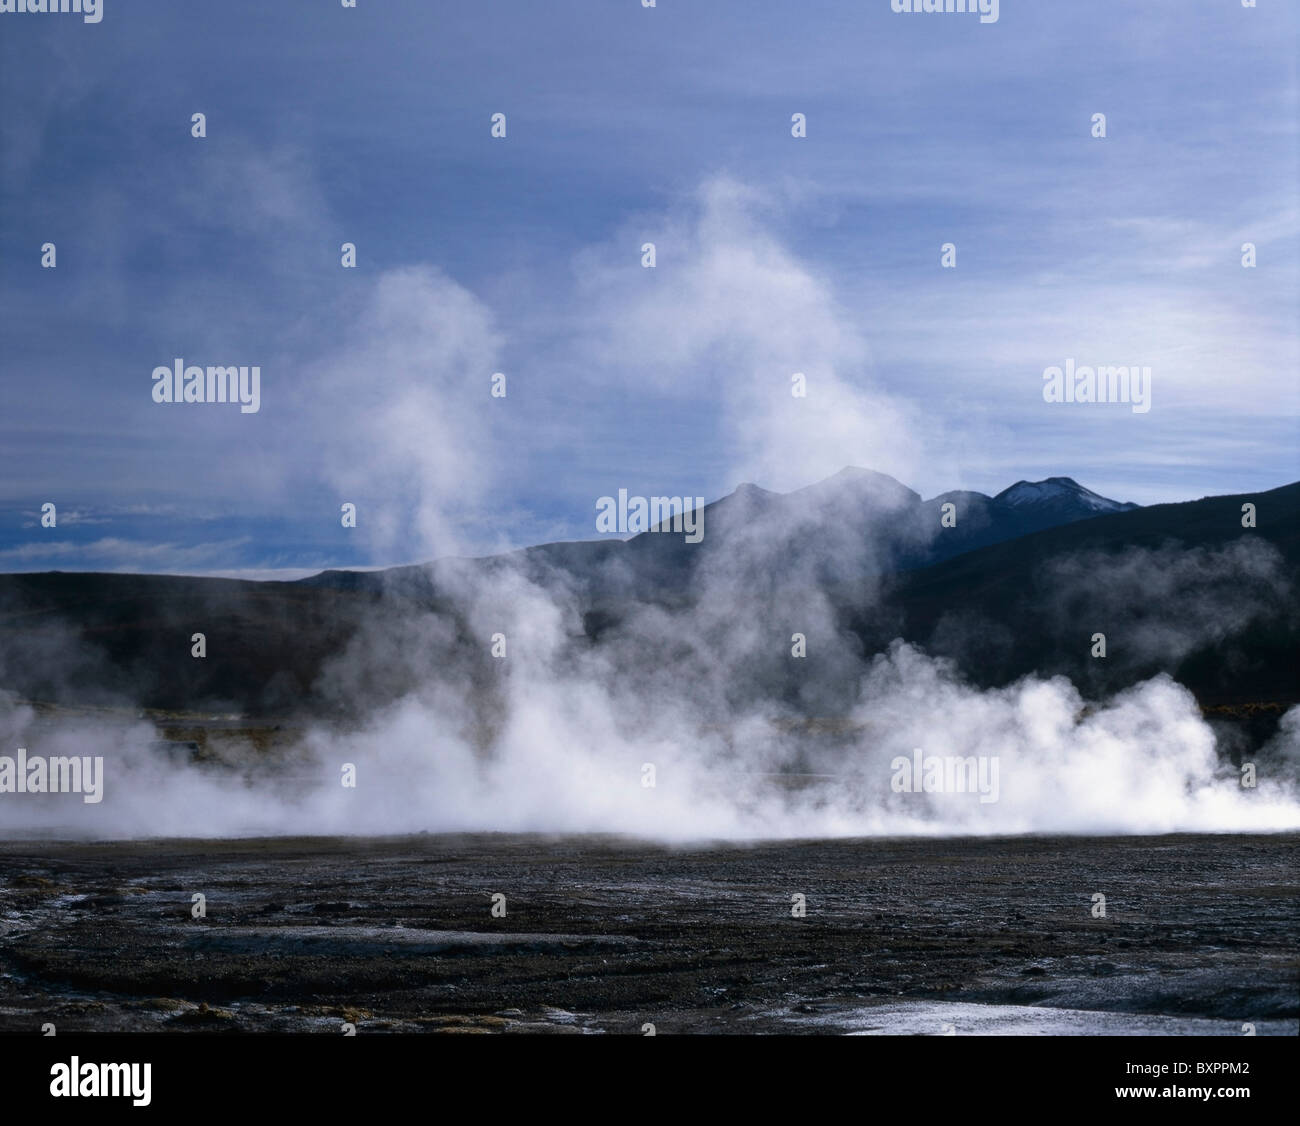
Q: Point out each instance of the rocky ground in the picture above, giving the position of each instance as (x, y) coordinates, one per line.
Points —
(609, 935)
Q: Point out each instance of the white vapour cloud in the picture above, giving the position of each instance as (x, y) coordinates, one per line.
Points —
(402, 414)
(573, 743)
(730, 311)
(399, 417)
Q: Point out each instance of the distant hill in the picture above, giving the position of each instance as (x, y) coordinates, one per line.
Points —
(1020, 585)
(1180, 588)
(854, 523)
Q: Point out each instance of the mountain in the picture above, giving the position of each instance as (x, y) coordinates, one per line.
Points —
(854, 524)
(1059, 496)
(1177, 588)
(1018, 586)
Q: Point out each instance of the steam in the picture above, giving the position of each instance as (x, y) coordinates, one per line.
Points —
(399, 416)
(730, 302)
(1190, 597)
(679, 719)
(575, 742)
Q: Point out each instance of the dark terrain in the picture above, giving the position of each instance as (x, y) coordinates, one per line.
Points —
(1181, 589)
(605, 935)
(608, 935)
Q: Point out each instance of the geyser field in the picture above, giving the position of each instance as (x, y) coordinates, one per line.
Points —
(791, 777)
(608, 935)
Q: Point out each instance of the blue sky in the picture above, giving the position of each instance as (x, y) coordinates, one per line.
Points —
(522, 255)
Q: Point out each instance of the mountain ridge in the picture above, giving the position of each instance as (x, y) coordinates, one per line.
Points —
(1223, 593)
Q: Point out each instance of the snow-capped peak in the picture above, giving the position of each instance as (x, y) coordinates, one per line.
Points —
(1056, 490)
